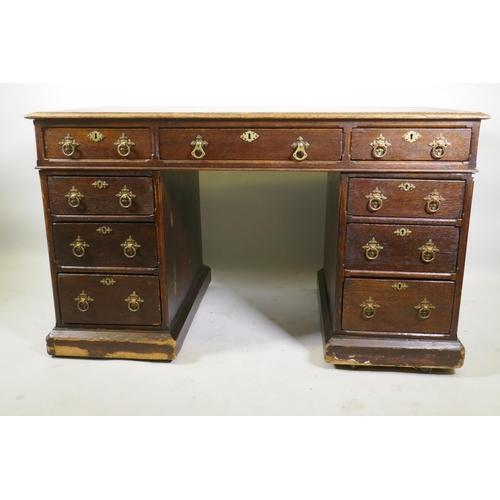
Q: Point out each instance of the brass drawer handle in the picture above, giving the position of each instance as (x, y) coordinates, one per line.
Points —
(68, 145)
(74, 196)
(300, 149)
(379, 147)
(79, 247)
(438, 147)
(372, 249)
(83, 301)
(199, 143)
(125, 197)
(428, 251)
(130, 247)
(375, 200)
(433, 202)
(124, 145)
(134, 302)
(369, 308)
(424, 309)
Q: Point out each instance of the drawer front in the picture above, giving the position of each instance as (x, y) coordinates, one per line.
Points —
(389, 144)
(397, 306)
(97, 143)
(271, 144)
(105, 244)
(109, 299)
(100, 195)
(409, 248)
(406, 198)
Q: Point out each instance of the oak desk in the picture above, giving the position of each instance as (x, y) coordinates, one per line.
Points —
(122, 209)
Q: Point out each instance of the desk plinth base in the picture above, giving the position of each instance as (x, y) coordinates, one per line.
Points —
(345, 349)
(153, 345)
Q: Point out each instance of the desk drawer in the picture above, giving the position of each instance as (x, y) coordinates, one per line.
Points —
(409, 248)
(393, 144)
(109, 299)
(105, 245)
(255, 144)
(100, 195)
(406, 198)
(97, 144)
(378, 305)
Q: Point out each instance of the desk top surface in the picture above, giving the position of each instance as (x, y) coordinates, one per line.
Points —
(262, 113)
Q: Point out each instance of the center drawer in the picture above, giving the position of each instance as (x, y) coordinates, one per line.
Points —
(254, 144)
(84, 244)
(109, 299)
(409, 248)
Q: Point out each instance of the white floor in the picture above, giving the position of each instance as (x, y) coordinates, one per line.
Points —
(254, 349)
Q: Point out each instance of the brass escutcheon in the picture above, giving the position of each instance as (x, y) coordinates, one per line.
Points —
(100, 184)
(402, 232)
(372, 249)
(249, 136)
(300, 149)
(433, 202)
(424, 309)
(104, 230)
(124, 145)
(199, 143)
(375, 200)
(125, 197)
(428, 251)
(68, 145)
(79, 247)
(108, 281)
(134, 302)
(130, 247)
(379, 147)
(369, 308)
(83, 301)
(74, 196)
(411, 136)
(95, 136)
(406, 186)
(438, 147)
(400, 286)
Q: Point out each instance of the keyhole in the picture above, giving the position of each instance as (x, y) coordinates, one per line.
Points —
(249, 135)
(411, 136)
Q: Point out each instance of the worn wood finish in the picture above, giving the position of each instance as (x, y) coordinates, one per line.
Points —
(165, 213)
(411, 203)
(399, 149)
(399, 248)
(104, 149)
(272, 144)
(100, 201)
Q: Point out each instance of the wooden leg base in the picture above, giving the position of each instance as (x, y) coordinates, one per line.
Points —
(159, 345)
(391, 352)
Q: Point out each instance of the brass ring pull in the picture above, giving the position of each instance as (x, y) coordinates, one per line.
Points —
(375, 200)
(300, 149)
(134, 302)
(79, 247)
(438, 147)
(83, 301)
(125, 197)
(424, 309)
(369, 308)
(433, 202)
(124, 145)
(68, 145)
(130, 247)
(199, 143)
(379, 147)
(74, 196)
(428, 251)
(372, 249)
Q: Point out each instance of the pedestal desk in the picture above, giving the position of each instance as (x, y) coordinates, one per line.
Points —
(122, 210)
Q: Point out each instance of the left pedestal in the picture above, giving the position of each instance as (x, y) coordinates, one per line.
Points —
(126, 261)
